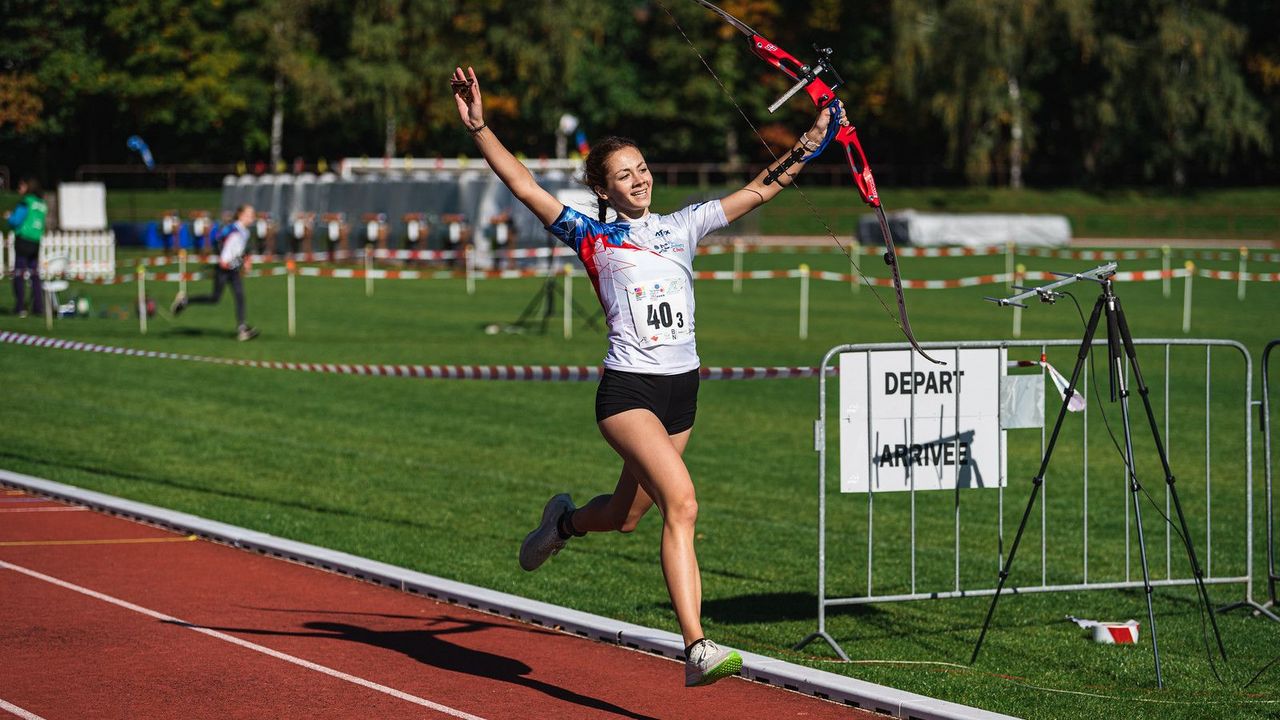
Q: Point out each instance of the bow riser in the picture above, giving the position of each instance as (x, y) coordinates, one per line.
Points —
(822, 95)
(818, 90)
(862, 176)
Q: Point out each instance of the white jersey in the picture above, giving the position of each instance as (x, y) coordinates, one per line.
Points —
(642, 271)
(234, 244)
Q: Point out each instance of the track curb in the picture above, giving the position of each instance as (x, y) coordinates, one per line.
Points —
(759, 668)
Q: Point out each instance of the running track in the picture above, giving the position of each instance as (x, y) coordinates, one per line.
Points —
(102, 617)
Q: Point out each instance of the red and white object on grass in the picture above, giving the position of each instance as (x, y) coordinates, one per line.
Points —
(1109, 633)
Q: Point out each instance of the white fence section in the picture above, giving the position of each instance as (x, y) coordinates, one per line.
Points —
(90, 255)
(950, 543)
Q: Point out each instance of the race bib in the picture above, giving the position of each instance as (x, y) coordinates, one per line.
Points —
(660, 311)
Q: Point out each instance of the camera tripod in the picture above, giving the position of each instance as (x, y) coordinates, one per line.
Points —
(1119, 346)
(546, 297)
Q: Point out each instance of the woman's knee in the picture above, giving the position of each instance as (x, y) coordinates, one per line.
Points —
(682, 511)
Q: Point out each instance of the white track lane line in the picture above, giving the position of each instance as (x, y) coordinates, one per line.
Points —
(445, 709)
(15, 710)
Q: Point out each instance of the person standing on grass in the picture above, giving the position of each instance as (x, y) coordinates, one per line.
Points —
(27, 221)
(230, 264)
(641, 268)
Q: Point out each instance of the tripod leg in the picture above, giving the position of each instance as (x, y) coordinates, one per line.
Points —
(1196, 572)
(1134, 490)
(549, 307)
(543, 297)
(1038, 480)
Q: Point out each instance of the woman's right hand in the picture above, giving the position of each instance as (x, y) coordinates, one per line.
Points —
(466, 92)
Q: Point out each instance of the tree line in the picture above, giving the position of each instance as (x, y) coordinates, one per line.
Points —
(1096, 93)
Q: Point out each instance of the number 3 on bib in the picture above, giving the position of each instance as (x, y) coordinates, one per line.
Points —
(660, 311)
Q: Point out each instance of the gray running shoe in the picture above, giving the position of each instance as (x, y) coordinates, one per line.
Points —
(179, 304)
(245, 333)
(545, 539)
(708, 662)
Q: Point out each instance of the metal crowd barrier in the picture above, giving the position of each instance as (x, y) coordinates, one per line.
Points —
(1273, 575)
(935, 562)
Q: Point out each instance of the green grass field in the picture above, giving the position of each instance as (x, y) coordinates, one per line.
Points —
(446, 477)
(1249, 213)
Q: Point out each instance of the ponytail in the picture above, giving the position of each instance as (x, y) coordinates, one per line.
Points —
(603, 206)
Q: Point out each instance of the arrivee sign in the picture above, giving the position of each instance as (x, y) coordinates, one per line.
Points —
(906, 425)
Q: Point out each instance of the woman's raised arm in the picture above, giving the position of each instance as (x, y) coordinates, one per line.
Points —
(512, 172)
(756, 193)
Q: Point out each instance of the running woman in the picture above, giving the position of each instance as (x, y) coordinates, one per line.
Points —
(230, 262)
(641, 267)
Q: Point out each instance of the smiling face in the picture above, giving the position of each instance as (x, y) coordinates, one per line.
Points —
(628, 185)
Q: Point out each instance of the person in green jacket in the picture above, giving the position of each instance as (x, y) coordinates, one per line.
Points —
(27, 221)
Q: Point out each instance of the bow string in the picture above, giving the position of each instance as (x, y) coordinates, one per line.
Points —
(819, 81)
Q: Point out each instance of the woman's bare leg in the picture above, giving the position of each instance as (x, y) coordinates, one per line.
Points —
(654, 462)
(621, 510)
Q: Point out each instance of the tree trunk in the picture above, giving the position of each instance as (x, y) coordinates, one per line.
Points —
(389, 149)
(1015, 134)
(277, 121)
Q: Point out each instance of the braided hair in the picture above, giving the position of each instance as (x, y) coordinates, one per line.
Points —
(594, 173)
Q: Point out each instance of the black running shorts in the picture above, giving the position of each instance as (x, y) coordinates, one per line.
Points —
(673, 398)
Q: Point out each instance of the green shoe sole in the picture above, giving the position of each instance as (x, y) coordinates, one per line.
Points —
(727, 667)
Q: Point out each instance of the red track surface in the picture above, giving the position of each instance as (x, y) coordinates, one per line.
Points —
(205, 617)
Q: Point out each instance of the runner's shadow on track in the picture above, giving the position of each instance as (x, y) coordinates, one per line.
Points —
(347, 613)
(428, 648)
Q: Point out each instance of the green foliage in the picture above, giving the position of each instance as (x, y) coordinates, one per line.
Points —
(1169, 85)
(1111, 91)
(286, 49)
(171, 72)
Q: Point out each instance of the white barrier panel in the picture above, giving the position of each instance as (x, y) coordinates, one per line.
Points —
(90, 255)
(82, 207)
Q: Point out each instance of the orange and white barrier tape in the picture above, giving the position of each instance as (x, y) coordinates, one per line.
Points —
(1230, 255)
(1238, 276)
(1091, 255)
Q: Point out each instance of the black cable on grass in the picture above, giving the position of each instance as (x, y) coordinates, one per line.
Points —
(1264, 669)
(1200, 601)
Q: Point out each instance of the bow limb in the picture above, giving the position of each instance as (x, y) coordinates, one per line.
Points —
(866, 184)
(891, 259)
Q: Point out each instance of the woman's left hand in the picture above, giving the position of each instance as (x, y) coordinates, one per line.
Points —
(466, 92)
(816, 133)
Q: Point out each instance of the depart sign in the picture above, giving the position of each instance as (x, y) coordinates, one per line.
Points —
(906, 423)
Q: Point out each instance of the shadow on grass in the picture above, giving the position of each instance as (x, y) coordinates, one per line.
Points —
(184, 331)
(428, 646)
